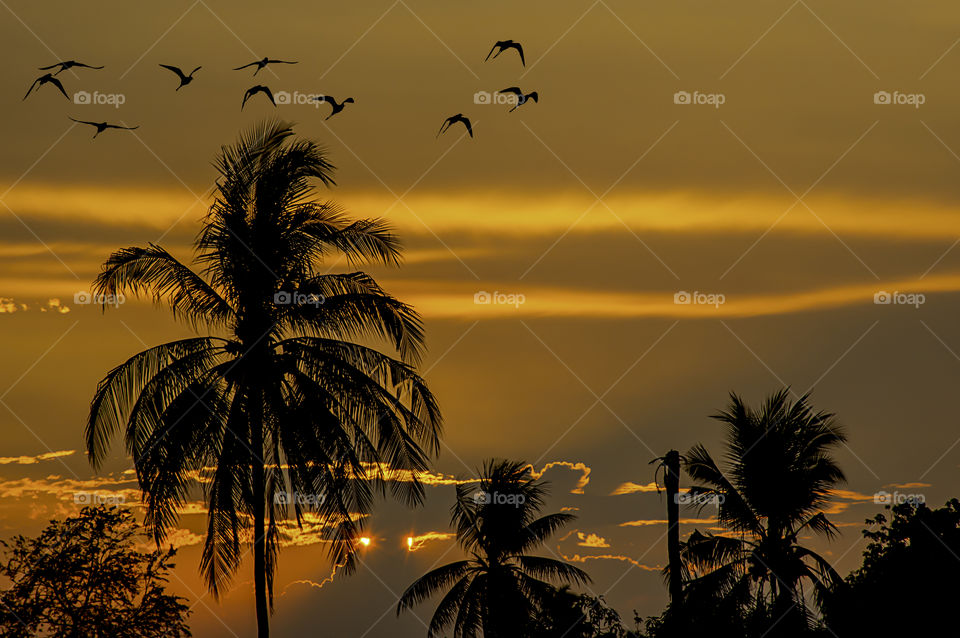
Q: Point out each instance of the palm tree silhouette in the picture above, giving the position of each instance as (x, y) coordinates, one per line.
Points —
(496, 591)
(778, 476)
(670, 464)
(286, 402)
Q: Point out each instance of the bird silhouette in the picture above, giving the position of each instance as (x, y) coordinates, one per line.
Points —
(253, 90)
(184, 79)
(503, 45)
(68, 64)
(47, 78)
(336, 108)
(261, 64)
(103, 126)
(521, 97)
(453, 119)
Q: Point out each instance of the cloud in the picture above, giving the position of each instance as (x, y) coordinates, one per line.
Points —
(182, 538)
(592, 540)
(416, 542)
(69, 488)
(30, 460)
(577, 558)
(441, 301)
(644, 522)
(313, 583)
(633, 488)
(9, 305)
(581, 467)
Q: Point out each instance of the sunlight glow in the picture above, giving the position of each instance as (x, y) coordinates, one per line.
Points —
(365, 541)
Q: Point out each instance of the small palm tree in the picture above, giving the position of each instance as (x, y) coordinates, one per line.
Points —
(280, 397)
(778, 477)
(497, 591)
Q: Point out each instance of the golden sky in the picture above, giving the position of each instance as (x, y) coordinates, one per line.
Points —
(597, 270)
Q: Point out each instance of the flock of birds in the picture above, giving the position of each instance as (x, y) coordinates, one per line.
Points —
(50, 77)
(521, 98)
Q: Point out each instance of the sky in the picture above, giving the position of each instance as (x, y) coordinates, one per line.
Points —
(706, 198)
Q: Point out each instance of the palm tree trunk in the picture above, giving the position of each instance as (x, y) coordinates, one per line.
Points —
(259, 528)
(671, 479)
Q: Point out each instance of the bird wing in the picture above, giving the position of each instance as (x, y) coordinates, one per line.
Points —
(466, 122)
(512, 89)
(59, 85)
(52, 66)
(125, 128)
(446, 122)
(31, 88)
(519, 49)
(492, 49)
(279, 62)
(87, 66)
(534, 96)
(85, 122)
(195, 70)
(269, 94)
(175, 70)
(247, 65)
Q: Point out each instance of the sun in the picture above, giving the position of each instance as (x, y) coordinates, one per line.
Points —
(365, 541)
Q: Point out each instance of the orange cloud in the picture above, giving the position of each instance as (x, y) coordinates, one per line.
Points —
(416, 542)
(581, 467)
(30, 460)
(633, 488)
(644, 522)
(577, 558)
(592, 540)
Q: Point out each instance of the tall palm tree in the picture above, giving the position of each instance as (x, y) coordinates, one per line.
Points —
(778, 476)
(496, 591)
(670, 464)
(279, 395)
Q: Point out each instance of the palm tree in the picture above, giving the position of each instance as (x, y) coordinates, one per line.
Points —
(279, 397)
(670, 464)
(498, 589)
(778, 476)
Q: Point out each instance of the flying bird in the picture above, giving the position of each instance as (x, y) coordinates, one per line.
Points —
(184, 79)
(47, 78)
(68, 64)
(103, 126)
(261, 64)
(453, 119)
(253, 90)
(333, 103)
(503, 45)
(521, 96)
